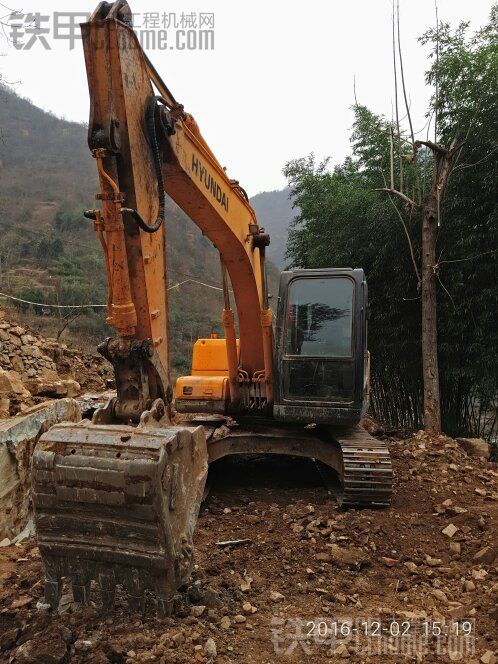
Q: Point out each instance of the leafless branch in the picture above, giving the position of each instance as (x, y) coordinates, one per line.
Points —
(446, 290)
(400, 217)
(436, 93)
(395, 192)
(407, 105)
(420, 131)
(426, 174)
(461, 167)
(469, 129)
(470, 258)
(396, 104)
(402, 71)
(66, 320)
(435, 147)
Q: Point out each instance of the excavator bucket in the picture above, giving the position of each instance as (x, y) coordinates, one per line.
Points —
(117, 505)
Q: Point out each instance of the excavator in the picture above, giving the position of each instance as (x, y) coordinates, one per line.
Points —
(116, 497)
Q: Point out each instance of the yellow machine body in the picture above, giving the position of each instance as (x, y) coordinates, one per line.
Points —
(209, 357)
(209, 380)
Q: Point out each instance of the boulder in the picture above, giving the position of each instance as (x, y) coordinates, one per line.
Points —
(210, 649)
(11, 383)
(43, 387)
(4, 406)
(476, 447)
(73, 388)
(18, 437)
(17, 331)
(18, 364)
(41, 651)
(486, 555)
(373, 427)
(48, 374)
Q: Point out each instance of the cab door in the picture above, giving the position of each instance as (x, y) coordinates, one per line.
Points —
(321, 346)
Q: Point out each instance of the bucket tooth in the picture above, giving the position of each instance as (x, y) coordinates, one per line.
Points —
(54, 571)
(164, 607)
(81, 593)
(53, 591)
(108, 597)
(107, 583)
(164, 602)
(118, 505)
(137, 603)
(81, 583)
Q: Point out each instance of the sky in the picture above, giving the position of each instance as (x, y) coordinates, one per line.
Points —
(278, 83)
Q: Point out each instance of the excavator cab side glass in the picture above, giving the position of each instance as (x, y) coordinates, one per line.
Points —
(319, 318)
(318, 362)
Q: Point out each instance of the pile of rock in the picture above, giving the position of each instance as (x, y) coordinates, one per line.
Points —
(20, 352)
(27, 376)
(33, 368)
(16, 395)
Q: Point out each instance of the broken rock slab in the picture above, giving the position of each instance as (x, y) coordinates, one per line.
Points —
(18, 437)
(37, 650)
(476, 447)
(89, 401)
(48, 387)
(11, 383)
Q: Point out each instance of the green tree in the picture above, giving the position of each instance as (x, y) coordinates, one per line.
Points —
(69, 217)
(48, 249)
(343, 221)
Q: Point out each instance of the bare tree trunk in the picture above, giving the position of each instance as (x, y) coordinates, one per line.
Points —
(444, 160)
(430, 368)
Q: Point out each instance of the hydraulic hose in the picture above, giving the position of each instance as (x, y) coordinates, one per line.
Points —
(151, 127)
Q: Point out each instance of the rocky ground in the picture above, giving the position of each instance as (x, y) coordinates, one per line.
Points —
(305, 568)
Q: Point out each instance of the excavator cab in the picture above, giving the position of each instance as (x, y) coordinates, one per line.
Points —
(321, 358)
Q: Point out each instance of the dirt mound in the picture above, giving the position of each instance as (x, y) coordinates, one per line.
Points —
(427, 565)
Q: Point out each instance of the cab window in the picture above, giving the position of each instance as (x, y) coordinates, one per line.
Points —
(319, 317)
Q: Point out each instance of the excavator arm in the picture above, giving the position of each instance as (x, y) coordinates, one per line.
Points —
(146, 145)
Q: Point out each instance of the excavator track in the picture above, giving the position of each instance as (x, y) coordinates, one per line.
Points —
(361, 462)
(367, 473)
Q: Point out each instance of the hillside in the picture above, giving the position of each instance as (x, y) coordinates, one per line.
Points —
(275, 212)
(49, 252)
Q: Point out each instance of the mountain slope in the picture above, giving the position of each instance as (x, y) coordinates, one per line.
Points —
(275, 212)
(49, 253)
